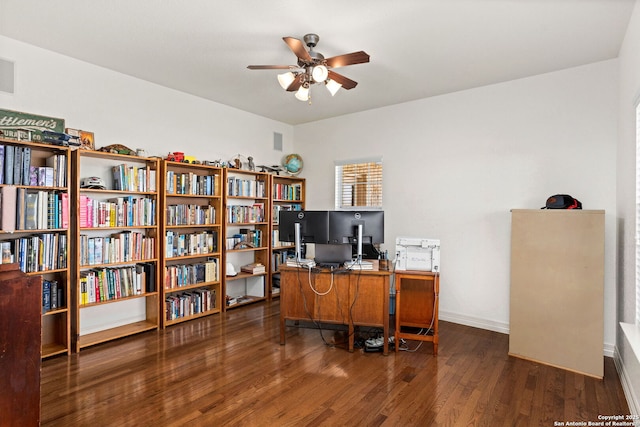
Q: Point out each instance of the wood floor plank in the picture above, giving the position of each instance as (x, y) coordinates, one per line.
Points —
(229, 369)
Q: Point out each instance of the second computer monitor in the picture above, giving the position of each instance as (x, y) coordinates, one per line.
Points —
(343, 226)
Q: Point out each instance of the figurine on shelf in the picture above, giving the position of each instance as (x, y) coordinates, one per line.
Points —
(252, 165)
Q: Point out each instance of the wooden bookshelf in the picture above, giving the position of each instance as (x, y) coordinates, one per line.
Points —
(246, 235)
(287, 193)
(35, 231)
(191, 256)
(116, 251)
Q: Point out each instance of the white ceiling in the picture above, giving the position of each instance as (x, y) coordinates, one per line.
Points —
(418, 48)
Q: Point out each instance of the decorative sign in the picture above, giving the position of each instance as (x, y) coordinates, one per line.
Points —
(27, 127)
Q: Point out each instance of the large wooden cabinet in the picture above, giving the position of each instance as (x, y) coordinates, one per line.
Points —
(20, 356)
(191, 253)
(35, 229)
(557, 287)
(116, 246)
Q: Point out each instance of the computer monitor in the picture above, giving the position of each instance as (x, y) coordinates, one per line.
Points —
(345, 226)
(313, 227)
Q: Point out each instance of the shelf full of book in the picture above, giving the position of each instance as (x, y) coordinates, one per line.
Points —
(191, 250)
(287, 194)
(247, 228)
(34, 200)
(116, 246)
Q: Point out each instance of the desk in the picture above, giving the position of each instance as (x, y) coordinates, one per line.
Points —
(418, 307)
(357, 298)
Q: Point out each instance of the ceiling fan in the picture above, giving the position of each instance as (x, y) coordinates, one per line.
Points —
(313, 68)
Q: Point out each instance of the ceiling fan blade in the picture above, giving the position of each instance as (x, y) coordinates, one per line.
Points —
(344, 81)
(297, 47)
(269, 67)
(347, 59)
(295, 85)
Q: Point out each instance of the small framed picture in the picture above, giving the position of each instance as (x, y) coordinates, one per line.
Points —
(86, 140)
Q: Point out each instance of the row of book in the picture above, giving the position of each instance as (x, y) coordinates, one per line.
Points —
(190, 215)
(108, 284)
(33, 210)
(132, 178)
(127, 246)
(40, 252)
(238, 214)
(53, 296)
(280, 258)
(246, 188)
(126, 211)
(287, 191)
(191, 183)
(275, 239)
(245, 238)
(16, 168)
(275, 217)
(180, 275)
(184, 244)
(190, 303)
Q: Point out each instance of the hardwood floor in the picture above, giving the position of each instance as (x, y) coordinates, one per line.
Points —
(231, 370)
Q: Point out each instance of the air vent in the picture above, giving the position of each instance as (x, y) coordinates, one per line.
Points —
(7, 76)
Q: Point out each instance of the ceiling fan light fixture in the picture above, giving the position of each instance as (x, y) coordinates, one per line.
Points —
(286, 79)
(303, 93)
(333, 86)
(319, 73)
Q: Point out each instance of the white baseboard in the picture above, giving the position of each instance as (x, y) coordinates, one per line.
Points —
(501, 327)
(474, 322)
(625, 380)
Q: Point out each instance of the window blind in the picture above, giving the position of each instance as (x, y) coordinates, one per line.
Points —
(358, 183)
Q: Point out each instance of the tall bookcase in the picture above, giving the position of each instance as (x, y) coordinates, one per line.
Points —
(191, 254)
(247, 229)
(116, 247)
(287, 193)
(35, 229)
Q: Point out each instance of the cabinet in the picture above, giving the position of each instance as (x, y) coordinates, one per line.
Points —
(20, 337)
(354, 298)
(247, 229)
(417, 304)
(557, 288)
(116, 246)
(191, 228)
(287, 194)
(35, 229)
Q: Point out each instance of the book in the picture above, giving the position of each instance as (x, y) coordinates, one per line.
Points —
(9, 151)
(17, 165)
(1, 164)
(9, 194)
(7, 257)
(26, 165)
(46, 296)
(31, 211)
(253, 268)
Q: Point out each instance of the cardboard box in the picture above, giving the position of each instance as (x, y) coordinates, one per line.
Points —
(27, 127)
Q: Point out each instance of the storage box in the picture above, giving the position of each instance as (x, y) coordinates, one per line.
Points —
(27, 127)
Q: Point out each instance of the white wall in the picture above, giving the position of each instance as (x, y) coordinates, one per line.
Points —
(124, 110)
(629, 361)
(455, 165)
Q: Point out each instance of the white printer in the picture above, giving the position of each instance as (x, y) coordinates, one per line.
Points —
(415, 253)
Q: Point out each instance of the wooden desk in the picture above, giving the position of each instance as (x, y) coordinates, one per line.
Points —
(356, 298)
(419, 307)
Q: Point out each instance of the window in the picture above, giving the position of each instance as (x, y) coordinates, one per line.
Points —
(359, 183)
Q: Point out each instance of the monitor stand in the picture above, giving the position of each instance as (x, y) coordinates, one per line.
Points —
(298, 261)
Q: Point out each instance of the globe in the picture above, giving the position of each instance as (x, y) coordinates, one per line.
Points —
(292, 164)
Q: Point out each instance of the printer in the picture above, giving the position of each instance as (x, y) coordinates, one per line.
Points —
(415, 253)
